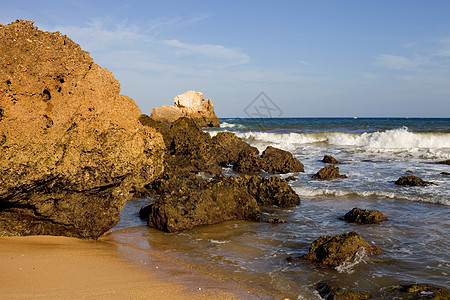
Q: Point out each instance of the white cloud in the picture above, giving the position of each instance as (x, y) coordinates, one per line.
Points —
(397, 62)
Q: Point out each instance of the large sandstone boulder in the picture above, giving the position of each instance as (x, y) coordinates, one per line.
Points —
(272, 191)
(72, 149)
(228, 147)
(332, 251)
(190, 104)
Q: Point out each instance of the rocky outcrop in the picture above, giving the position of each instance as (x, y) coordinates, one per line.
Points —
(72, 149)
(328, 173)
(331, 291)
(332, 251)
(213, 201)
(412, 181)
(277, 161)
(444, 162)
(228, 146)
(191, 105)
(364, 216)
(272, 191)
(248, 163)
(328, 159)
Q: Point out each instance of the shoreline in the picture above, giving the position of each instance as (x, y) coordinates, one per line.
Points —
(52, 267)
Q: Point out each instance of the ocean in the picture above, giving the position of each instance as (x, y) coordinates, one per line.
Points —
(374, 153)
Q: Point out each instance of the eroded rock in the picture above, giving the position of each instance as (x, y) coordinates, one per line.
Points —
(248, 163)
(412, 180)
(72, 148)
(277, 161)
(328, 173)
(364, 216)
(332, 251)
(228, 147)
(331, 291)
(328, 159)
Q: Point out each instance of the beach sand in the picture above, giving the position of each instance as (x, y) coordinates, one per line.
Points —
(47, 267)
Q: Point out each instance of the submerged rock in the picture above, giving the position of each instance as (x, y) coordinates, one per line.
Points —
(332, 251)
(191, 105)
(331, 291)
(72, 149)
(277, 161)
(328, 159)
(412, 180)
(416, 291)
(444, 162)
(364, 216)
(213, 201)
(328, 173)
(276, 221)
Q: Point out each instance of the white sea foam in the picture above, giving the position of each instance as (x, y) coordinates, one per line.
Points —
(347, 266)
(230, 125)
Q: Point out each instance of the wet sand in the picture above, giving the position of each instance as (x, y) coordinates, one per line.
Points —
(66, 268)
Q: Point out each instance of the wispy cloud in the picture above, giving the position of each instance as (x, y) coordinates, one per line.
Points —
(399, 62)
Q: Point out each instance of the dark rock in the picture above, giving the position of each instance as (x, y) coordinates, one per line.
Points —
(416, 292)
(276, 221)
(277, 161)
(331, 251)
(291, 178)
(444, 162)
(445, 173)
(364, 216)
(328, 159)
(412, 180)
(330, 291)
(328, 173)
(248, 163)
(72, 148)
(409, 172)
(272, 191)
(228, 147)
(214, 201)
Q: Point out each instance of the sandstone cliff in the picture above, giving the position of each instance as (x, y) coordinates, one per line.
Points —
(190, 104)
(72, 150)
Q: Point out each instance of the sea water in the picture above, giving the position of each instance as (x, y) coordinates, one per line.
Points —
(374, 153)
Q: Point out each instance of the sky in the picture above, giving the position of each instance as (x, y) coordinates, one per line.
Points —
(307, 58)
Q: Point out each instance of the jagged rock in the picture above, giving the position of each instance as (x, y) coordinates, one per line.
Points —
(415, 291)
(331, 291)
(331, 251)
(409, 172)
(191, 105)
(444, 162)
(328, 173)
(271, 191)
(412, 181)
(445, 173)
(291, 178)
(228, 147)
(364, 216)
(276, 221)
(213, 201)
(277, 161)
(72, 149)
(328, 159)
(248, 163)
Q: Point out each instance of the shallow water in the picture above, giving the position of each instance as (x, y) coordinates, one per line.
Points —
(414, 241)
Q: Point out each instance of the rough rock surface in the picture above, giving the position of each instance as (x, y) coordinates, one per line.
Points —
(412, 181)
(444, 162)
(364, 216)
(72, 149)
(190, 104)
(228, 146)
(331, 251)
(277, 161)
(272, 191)
(276, 221)
(328, 159)
(328, 173)
(415, 292)
(213, 201)
(330, 291)
(248, 163)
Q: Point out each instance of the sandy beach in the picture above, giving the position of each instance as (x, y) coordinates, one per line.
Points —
(44, 267)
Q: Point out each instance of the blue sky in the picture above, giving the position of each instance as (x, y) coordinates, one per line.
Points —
(312, 58)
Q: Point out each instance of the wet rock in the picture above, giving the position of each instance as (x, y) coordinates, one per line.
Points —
(416, 291)
(213, 201)
(409, 172)
(412, 181)
(191, 105)
(248, 163)
(364, 216)
(331, 251)
(328, 173)
(228, 147)
(331, 291)
(444, 162)
(276, 221)
(272, 191)
(445, 173)
(328, 159)
(291, 178)
(277, 161)
(72, 149)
